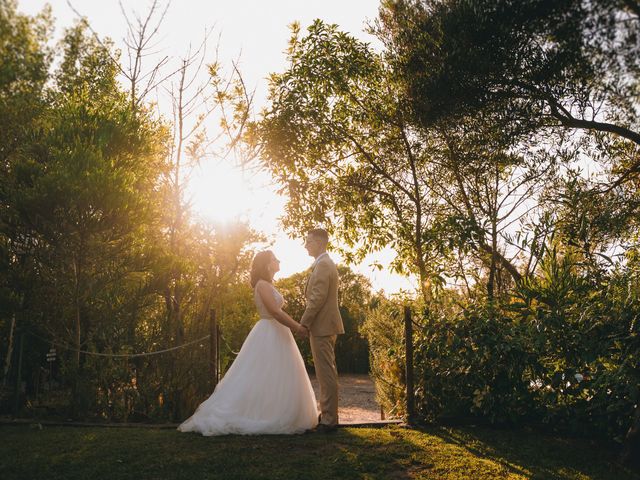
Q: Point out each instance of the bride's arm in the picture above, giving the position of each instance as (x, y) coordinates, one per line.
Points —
(266, 295)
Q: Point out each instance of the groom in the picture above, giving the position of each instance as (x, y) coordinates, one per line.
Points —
(322, 318)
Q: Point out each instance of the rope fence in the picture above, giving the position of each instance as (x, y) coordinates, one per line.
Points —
(214, 328)
(119, 355)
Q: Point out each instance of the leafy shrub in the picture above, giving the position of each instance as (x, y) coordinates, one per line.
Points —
(384, 329)
(562, 349)
(475, 363)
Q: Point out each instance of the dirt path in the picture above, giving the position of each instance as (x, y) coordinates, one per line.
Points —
(357, 398)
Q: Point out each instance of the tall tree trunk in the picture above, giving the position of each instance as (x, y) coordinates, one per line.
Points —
(506, 264)
(493, 211)
(76, 400)
(77, 314)
(416, 198)
(173, 296)
(482, 244)
(493, 263)
(422, 268)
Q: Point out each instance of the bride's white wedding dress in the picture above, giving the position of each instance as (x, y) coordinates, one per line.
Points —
(265, 391)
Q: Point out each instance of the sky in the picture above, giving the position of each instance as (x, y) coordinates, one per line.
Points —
(256, 32)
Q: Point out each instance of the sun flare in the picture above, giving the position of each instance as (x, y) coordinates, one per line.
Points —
(222, 192)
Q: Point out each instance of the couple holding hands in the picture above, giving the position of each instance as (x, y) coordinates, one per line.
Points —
(266, 389)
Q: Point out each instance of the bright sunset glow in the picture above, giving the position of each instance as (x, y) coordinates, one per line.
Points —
(222, 191)
(219, 191)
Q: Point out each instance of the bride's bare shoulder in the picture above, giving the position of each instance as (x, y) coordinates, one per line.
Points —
(263, 286)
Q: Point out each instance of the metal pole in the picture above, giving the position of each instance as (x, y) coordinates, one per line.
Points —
(213, 348)
(408, 341)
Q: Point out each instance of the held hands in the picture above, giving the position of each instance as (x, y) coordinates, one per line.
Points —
(301, 331)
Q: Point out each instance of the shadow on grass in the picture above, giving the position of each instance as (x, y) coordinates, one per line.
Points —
(351, 453)
(536, 455)
(97, 453)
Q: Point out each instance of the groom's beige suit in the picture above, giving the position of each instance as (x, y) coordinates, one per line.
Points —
(322, 318)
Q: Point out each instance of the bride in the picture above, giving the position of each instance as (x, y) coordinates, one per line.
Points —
(266, 390)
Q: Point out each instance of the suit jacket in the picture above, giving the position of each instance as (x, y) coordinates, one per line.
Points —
(322, 315)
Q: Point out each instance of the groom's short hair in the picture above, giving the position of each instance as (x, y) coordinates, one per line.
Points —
(320, 234)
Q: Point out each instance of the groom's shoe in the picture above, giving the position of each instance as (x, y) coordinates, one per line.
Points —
(324, 428)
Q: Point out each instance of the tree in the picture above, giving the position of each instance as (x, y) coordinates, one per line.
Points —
(338, 137)
(26, 59)
(524, 67)
(93, 218)
(83, 189)
(557, 76)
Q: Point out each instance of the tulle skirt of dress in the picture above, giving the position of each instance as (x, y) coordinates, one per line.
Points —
(265, 391)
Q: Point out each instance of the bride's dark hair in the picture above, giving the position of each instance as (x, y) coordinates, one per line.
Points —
(259, 270)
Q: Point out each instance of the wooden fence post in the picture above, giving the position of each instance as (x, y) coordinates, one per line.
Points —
(213, 349)
(18, 393)
(408, 342)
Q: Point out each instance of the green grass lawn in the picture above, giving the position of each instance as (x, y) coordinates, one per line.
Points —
(393, 453)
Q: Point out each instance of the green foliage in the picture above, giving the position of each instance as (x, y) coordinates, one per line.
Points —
(337, 137)
(562, 350)
(341, 136)
(474, 363)
(97, 254)
(523, 64)
(545, 91)
(26, 59)
(585, 336)
(384, 329)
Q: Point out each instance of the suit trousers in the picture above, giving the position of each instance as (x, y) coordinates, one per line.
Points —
(324, 359)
